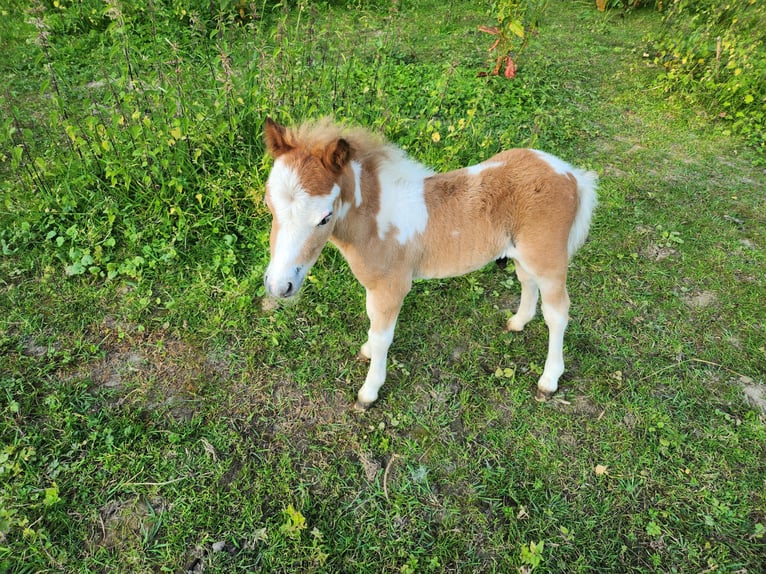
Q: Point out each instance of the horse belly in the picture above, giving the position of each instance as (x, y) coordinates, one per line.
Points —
(458, 255)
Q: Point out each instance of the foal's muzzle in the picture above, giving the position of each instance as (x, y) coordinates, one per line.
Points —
(282, 291)
(284, 287)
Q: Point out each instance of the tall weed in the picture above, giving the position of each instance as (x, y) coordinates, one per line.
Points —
(716, 52)
(135, 139)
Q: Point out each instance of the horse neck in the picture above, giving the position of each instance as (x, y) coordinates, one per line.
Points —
(392, 169)
(348, 182)
(350, 227)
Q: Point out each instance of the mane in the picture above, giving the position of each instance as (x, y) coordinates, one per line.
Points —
(318, 134)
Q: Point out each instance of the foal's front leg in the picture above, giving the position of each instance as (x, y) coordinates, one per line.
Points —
(383, 307)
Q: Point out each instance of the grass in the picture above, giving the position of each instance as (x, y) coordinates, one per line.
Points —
(157, 417)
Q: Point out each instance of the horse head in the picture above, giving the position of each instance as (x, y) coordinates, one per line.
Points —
(303, 195)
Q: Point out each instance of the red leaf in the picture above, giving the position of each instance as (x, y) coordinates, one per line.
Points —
(493, 46)
(510, 68)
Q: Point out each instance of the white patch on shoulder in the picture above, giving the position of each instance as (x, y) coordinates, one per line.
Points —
(402, 201)
(480, 167)
(557, 164)
(356, 167)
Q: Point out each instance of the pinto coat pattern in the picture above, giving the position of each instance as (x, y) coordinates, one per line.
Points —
(395, 220)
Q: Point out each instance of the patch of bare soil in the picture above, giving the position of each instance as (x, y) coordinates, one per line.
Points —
(125, 525)
(198, 558)
(370, 466)
(755, 393)
(658, 252)
(32, 349)
(580, 406)
(118, 367)
(276, 410)
(701, 299)
(162, 371)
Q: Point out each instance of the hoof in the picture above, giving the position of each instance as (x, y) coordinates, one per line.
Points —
(543, 396)
(361, 407)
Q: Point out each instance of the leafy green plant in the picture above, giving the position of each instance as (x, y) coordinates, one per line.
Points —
(604, 5)
(138, 145)
(516, 21)
(531, 555)
(716, 53)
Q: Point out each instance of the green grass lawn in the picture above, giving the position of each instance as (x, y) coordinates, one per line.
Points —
(158, 415)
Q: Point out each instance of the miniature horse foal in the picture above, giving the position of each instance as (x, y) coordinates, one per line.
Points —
(395, 220)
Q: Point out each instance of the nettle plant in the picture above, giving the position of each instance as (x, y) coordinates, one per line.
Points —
(716, 52)
(148, 156)
(516, 21)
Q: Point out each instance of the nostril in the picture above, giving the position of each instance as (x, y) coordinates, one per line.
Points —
(288, 291)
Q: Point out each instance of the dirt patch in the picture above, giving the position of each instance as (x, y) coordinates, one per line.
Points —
(370, 466)
(657, 252)
(701, 299)
(155, 369)
(755, 393)
(579, 406)
(198, 558)
(117, 367)
(125, 525)
(32, 349)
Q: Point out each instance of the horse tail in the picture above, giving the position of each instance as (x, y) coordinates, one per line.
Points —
(587, 182)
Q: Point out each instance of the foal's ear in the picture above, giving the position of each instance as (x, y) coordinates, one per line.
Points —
(337, 155)
(276, 138)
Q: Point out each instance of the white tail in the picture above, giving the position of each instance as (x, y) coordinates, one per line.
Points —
(587, 182)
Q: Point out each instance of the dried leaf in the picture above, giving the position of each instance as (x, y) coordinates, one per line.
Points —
(260, 535)
(601, 470)
(601, 5)
(489, 30)
(510, 68)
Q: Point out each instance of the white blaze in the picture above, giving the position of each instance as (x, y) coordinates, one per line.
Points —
(297, 214)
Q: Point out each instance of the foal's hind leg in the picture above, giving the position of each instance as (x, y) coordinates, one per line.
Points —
(528, 303)
(383, 307)
(555, 305)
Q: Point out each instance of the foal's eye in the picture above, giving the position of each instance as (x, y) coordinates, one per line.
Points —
(325, 220)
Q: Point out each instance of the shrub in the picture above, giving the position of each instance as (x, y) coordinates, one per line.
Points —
(516, 21)
(130, 133)
(716, 53)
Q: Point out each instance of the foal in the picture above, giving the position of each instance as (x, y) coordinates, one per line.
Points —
(395, 220)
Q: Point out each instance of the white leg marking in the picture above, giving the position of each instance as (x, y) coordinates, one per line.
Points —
(377, 344)
(383, 310)
(528, 303)
(556, 312)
